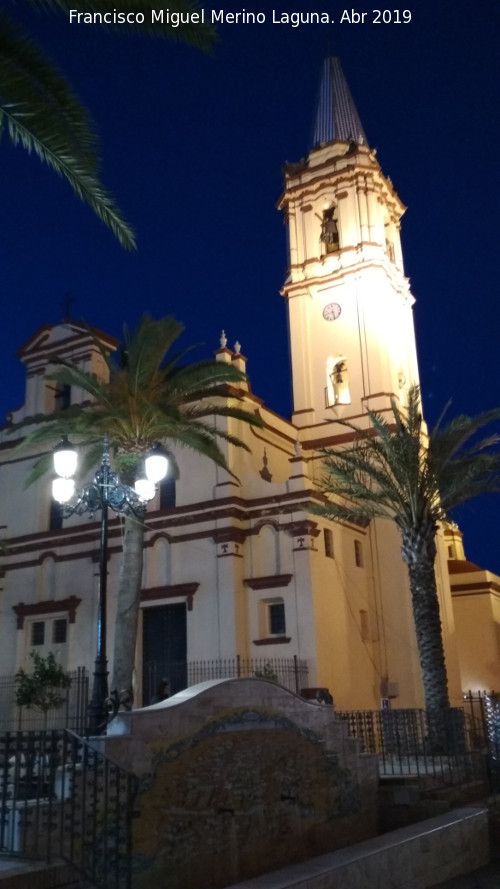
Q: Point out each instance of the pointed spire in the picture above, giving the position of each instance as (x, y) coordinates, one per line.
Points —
(336, 115)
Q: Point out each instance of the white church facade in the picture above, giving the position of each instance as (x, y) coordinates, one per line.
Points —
(240, 570)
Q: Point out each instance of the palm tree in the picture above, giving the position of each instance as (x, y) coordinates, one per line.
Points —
(40, 111)
(150, 396)
(396, 471)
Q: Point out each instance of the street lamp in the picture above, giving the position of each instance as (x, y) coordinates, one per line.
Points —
(105, 492)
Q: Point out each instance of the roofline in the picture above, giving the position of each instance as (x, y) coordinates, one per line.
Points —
(111, 342)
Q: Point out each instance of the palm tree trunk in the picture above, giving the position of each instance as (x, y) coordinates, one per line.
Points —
(129, 593)
(419, 553)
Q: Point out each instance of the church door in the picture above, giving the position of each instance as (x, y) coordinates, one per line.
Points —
(164, 651)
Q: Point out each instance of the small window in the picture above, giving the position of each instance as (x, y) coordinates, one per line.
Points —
(38, 632)
(63, 397)
(358, 553)
(167, 492)
(328, 541)
(277, 626)
(59, 631)
(55, 515)
(450, 552)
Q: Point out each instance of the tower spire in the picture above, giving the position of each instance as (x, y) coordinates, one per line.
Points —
(336, 115)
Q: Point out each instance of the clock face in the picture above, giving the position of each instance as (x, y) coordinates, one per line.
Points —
(331, 312)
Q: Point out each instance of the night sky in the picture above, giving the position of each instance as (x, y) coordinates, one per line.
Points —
(193, 148)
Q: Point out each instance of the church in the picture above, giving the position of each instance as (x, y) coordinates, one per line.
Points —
(241, 576)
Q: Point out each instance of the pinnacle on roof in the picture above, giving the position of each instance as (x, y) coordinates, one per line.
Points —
(336, 115)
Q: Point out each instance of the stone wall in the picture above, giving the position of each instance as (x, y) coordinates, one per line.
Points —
(416, 857)
(239, 777)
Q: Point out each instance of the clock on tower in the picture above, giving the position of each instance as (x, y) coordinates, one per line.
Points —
(346, 267)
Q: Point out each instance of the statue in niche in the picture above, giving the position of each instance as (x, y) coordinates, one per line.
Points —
(330, 230)
(340, 383)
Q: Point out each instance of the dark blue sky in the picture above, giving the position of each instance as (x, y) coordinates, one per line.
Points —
(193, 148)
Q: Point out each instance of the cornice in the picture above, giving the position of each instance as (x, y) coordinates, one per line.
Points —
(396, 276)
(370, 178)
(269, 582)
(83, 543)
(52, 606)
(171, 591)
(475, 589)
(250, 515)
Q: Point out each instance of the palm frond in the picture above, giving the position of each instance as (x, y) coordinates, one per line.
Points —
(72, 375)
(33, 84)
(201, 380)
(202, 440)
(138, 405)
(196, 412)
(148, 346)
(44, 423)
(394, 470)
(43, 465)
(365, 471)
(40, 112)
(446, 442)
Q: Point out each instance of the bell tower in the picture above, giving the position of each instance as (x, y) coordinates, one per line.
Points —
(349, 304)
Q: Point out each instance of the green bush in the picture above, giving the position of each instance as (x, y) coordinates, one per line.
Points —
(266, 672)
(43, 688)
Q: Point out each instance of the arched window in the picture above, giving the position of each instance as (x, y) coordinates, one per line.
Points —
(160, 563)
(167, 492)
(330, 230)
(267, 550)
(337, 381)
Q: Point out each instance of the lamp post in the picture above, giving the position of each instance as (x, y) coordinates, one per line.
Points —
(105, 492)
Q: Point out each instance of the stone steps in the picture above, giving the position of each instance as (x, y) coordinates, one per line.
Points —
(18, 874)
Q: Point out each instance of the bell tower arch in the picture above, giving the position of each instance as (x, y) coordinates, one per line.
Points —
(349, 303)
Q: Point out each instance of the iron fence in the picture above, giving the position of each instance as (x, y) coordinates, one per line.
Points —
(482, 711)
(72, 714)
(61, 798)
(405, 741)
(290, 673)
(475, 714)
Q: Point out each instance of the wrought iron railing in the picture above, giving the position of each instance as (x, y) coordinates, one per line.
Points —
(405, 742)
(482, 711)
(62, 798)
(72, 714)
(291, 673)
